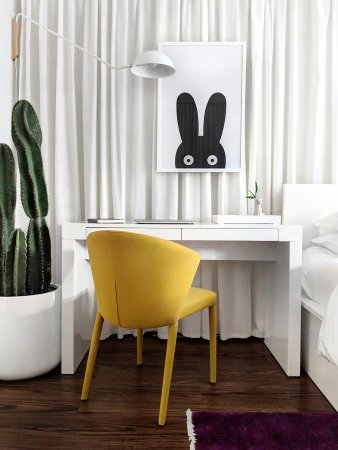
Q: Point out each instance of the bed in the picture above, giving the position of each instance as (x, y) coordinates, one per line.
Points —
(305, 204)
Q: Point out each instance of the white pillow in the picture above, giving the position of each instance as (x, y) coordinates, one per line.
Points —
(323, 230)
(330, 222)
(329, 241)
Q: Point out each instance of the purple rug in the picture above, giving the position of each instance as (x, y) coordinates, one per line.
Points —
(262, 431)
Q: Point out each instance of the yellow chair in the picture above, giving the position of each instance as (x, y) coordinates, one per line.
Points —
(145, 282)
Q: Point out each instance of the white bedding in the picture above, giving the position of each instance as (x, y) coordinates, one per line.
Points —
(320, 283)
(319, 274)
(328, 334)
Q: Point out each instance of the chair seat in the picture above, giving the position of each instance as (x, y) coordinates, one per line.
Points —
(196, 300)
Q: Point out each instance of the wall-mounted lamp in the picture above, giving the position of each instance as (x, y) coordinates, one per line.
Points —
(150, 64)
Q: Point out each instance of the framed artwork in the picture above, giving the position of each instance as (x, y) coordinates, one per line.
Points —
(200, 126)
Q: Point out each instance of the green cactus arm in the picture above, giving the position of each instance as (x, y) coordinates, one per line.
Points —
(3, 246)
(38, 257)
(7, 206)
(7, 182)
(31, 123)
(26, 133)
(15, 266)
(6, 228)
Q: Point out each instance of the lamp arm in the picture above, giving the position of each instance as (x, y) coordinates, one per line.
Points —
(15, 41)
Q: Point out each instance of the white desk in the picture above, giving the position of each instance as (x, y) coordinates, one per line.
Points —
(280, 246)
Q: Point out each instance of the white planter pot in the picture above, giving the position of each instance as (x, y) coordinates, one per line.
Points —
(30, 335)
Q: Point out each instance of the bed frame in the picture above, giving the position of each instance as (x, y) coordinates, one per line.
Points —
(302, 203)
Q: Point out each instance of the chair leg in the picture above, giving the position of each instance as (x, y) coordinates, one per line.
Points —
(168, 367)
(92, 356)
(213, 342)
(139, 346)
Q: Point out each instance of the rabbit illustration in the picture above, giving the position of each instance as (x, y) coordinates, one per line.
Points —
(200, 152)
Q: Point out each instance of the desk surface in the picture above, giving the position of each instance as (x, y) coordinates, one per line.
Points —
(197, 231)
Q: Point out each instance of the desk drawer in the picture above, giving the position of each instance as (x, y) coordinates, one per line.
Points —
(229, 234)
(171, 234)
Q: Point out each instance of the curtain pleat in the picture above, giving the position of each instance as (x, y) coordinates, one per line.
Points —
(99, 125)
(90, 110)
(333, 143)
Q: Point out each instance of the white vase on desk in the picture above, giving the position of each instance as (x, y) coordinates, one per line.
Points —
(259, 207)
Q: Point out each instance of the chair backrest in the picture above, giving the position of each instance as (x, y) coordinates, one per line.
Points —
(140, 281)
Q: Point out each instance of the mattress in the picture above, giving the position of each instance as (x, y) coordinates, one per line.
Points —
(319, 274)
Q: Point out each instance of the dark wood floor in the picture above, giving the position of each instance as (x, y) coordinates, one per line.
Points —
(121, 413)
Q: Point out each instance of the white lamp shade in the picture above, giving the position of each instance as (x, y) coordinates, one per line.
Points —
(153, 64)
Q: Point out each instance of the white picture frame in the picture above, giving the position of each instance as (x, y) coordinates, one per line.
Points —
(202, 70)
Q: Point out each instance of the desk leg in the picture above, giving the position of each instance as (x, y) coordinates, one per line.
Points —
(283, 307)
(78, 307)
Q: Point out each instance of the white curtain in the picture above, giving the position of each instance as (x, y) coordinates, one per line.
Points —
(99, 126)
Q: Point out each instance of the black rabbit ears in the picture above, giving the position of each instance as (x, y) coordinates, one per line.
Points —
(187, 117)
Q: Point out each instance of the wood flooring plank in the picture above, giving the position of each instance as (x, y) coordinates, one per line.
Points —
(46, 412)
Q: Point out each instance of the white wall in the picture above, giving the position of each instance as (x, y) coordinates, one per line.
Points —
(6, 69)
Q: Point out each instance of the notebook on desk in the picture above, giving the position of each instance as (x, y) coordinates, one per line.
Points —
(164, 222)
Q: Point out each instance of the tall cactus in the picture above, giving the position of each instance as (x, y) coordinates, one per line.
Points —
(27, 137)
(24, 268)
(7, 206)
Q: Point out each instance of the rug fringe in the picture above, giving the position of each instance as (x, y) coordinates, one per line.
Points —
(191, 431)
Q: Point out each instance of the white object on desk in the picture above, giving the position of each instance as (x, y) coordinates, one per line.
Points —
(107, 221)
(279, 244)
(165, 221)
(273, 220)
(259, 202)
